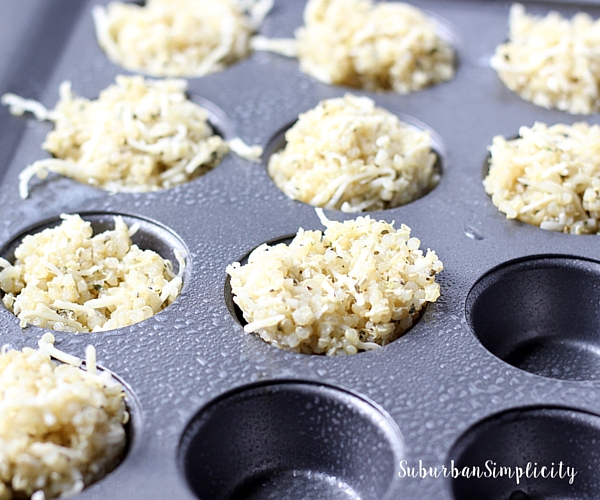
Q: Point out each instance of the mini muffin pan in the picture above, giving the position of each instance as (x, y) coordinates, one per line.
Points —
(503, 369)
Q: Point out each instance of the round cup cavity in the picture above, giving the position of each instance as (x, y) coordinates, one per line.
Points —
(528, 454)
(277, 143)
(217, 118)
(448, 32)
(135, 424)
(133, 427)
(541, 315)
(149, 236)
(293, 440)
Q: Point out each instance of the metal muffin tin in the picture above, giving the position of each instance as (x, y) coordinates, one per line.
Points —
(219, 414)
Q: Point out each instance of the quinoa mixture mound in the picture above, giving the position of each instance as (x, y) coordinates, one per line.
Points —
(356, 287)
(551, 61)
(374, 46)
(139, 135)
(66, 279)
(61, 428)
(347, 154)
(178, 38)
(548, 177)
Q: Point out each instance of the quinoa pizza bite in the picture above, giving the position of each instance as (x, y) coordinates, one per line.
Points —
(61, 427)
(549, 177)
(376, 46)
(355, 287)
(178, 38)
(552, 61)
(139, 135)
(67, 279)
(349, 154)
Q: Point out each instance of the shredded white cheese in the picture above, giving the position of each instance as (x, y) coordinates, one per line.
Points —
(46, 344)
(552, 61)
(18, 106)
(66, 279)
(347, 154)
(362, 44)
(90, 360)
(243, 150)
(548, 177)
(181, 38)
(287, 47)
(61, 428)
(357, 286)
(139, 135)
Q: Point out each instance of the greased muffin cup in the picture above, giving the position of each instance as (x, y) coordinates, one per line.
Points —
(503, 367)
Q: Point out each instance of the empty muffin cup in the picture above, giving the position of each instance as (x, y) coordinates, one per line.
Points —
(541, 315)
(528, 454)
(291, 439)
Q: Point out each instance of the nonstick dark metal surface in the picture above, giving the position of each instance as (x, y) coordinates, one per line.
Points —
(214, 404)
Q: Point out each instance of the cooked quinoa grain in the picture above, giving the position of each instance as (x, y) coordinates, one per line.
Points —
(66, 279)
(548, 177)
(61, 428)
(347, 154)
(356, 287)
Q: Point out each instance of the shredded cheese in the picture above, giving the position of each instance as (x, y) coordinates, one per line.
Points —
(46, 344)
(548, 177)
(18, 106)
(552, 61)
(347, 154)
(284, 46)
(90, 360)
(66, 279)
(357, 286)
(181, 38)
(243, 150)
